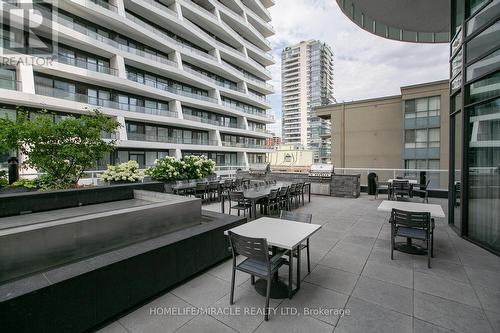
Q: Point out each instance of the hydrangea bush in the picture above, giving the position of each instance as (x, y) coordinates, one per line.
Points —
(191, 167)
(123, 172)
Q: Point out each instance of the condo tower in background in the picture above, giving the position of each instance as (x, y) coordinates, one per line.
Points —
(307, 82)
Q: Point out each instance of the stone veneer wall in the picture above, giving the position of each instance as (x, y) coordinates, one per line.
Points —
(348, 186)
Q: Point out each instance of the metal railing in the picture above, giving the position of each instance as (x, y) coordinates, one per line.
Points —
(438, 177)
(10, 84)
(165, 87)
(167, 139)
(81, 98)
(87, 65)
(244, 145)
(239, 108)
(211, 121)
(210, 79)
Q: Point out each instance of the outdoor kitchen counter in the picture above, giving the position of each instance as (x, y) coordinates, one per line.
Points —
(348, 186)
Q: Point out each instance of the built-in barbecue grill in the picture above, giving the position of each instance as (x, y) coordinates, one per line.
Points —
(323, 171)
(320, 176)
(260, 169)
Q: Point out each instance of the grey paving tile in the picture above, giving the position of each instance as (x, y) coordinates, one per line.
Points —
(203, 290)
(205, 324)
(386, 294)
(224, 271)
(420, 326)
(281, 323)
(480, 260)
(446, 288)
(450, 314)
(350, 263)
(145, 320)
(246, 299)
(383, 256)
(370, 318)
(489, 298)
(317, 298)
(482, 277)
(389, 273)
(357, 240)
(494, 319)
(441, 268)
(332, 278)
(114, 327)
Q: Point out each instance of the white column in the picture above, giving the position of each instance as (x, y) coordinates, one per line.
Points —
(176, 57)
(243, 85)
(120, 5)
(178, 154)
(118, 62)
(216, 54)
(245, 159)
(122, 130)
(176, 7)
(24, 73)
(245, 122)
(176, 106)
(215, 136)
(214, 93)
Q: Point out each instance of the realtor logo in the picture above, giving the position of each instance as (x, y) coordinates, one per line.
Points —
(27, 29)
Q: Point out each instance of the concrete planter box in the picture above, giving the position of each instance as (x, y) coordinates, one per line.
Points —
(38, 201)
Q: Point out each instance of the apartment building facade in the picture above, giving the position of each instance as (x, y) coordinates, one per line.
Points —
(307, 82)
(181, 77)
(407, 131)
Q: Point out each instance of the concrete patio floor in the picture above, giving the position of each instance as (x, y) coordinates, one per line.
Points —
(351, 270)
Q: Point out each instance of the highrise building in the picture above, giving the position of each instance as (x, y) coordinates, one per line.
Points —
(181, 77)
(307, 82)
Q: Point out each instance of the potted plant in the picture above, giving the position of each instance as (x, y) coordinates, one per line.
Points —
(122, 173)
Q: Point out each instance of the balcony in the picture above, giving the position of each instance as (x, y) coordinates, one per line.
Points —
(10, 84)
(212, 80)
(244, 145)
(103, 4)
(91, 66)
(211, 121)
(172, 140)
(180, 92)
(241, 109)
(106, 103)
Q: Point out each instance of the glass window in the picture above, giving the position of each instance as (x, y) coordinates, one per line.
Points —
(434, 137)
(410, 138)
(484, 16)
(483, 66)
(484, 42)
(410, 109)
(484, 174)
(421, 138)
(485, 88)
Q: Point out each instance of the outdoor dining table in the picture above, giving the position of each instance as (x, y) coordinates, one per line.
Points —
(410, 181)
(280, 234)
(433, 209)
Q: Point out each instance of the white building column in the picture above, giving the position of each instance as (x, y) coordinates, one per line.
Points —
(245, 122)
(176, 106)
(178, 154)
(245, 159)
(176, 57)
(120, 5)
(122, 130)
(118, 62)
(215, 136)
(24, 74)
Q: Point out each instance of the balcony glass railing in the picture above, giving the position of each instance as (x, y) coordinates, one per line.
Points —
(211, 121)
(7, 83)
(217, 82)
(244, 145)
(81, 98)
(241, 109)
(259, 97)
(167, 139)
(87, 65)
(169, 38)
(103, 4)
(164, 87)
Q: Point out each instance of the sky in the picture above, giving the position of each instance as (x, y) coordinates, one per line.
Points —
(365, 65)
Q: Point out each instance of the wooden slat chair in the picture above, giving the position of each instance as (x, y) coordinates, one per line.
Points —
(258, 262)
(299, 217)
(414, 225)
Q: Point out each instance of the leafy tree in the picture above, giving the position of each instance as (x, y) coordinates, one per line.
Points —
(62, 149)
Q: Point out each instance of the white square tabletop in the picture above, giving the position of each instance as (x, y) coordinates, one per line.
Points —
(281, 233)
(411, 181)
(388, 205)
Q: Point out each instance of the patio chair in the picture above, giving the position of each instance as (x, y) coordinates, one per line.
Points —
(283, 201)
(201, 190)
(400, 188)
(240, 203)
(412, 225)
(291, 194)
(300, 217)
(258, 262)
(300, 193)
(382, 186)
(270, 203)
(213, 190)
(422, 189)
